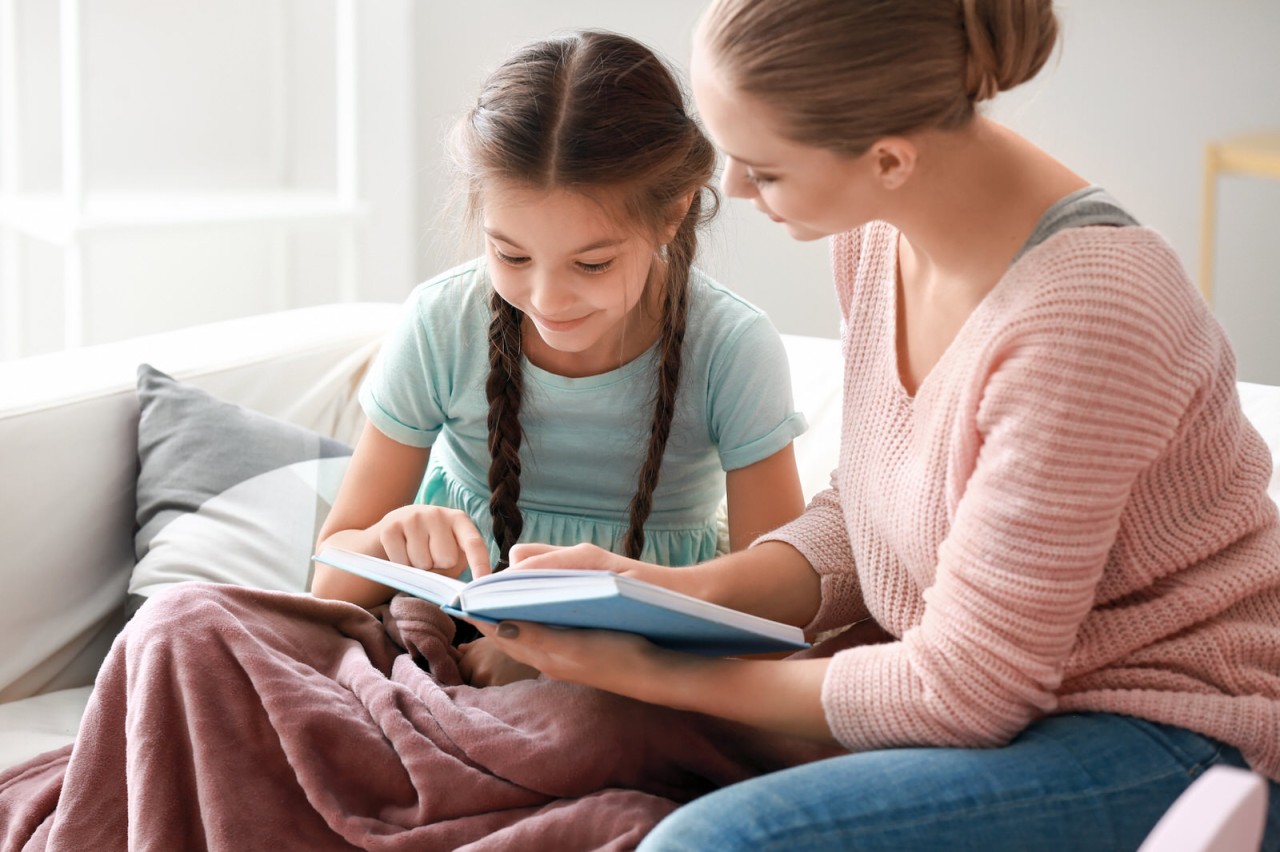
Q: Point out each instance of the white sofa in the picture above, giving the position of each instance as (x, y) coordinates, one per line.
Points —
(69, 443)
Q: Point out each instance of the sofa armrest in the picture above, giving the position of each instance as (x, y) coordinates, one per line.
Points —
(68, 426)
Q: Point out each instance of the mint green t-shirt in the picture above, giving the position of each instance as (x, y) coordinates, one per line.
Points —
(585, 438)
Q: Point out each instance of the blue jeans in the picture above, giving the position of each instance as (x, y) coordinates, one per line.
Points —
(1093, 781)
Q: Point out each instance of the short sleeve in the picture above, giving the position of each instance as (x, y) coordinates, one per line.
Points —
(750, 406)
(406, 390)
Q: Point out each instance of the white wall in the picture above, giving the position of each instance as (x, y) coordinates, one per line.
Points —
(1139, 88)
(215, 96)
(179, 97)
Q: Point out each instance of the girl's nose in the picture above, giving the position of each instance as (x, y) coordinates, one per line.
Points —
(549, 296)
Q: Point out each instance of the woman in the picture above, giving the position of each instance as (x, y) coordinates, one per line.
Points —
(1047, 495)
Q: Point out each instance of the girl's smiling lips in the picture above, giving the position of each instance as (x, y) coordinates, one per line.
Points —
(559, 325)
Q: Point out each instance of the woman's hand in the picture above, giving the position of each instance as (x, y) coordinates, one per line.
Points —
(433, 538)
(482, 664)
(605, 659)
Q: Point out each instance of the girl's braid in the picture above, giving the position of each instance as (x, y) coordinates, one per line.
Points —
(503, 388)
(675, 311)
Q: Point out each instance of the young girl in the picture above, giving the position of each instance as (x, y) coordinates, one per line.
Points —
(582, 381)
(1049, 507)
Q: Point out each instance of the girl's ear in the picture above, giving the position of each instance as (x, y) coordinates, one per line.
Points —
(893, 159)
(679, 210)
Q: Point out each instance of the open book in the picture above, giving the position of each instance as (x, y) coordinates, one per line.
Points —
(592, 599)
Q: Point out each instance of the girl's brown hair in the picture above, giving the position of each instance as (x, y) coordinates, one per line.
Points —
(599, 114)
(840, 74)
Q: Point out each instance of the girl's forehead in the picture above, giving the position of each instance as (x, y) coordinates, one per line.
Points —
(533, 208)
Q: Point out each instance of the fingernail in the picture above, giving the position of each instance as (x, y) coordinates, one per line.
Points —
(507, 630)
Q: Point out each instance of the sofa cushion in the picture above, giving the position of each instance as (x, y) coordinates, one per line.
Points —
(225, 494)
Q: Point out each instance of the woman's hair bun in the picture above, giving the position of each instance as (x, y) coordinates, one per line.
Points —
(1009, 42)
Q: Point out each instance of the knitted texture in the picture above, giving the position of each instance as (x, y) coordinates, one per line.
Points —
(1069, 515)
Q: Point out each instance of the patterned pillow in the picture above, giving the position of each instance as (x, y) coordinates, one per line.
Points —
(225, 494)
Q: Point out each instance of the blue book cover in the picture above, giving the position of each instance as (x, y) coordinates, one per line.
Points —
(585, 599)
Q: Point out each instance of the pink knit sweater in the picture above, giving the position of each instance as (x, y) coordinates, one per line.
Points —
(1069, 515)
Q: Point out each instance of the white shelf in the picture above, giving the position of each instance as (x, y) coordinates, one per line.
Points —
(45, 216)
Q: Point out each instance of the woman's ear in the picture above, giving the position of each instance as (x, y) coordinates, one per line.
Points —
(894, 159)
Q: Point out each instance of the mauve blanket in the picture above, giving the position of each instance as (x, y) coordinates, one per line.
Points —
(237, 719)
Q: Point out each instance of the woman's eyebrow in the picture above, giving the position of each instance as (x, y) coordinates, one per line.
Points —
(748, 163)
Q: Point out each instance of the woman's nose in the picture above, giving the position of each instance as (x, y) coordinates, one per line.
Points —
(734, 182)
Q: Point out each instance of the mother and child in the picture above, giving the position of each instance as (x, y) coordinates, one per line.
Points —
(1047, 540)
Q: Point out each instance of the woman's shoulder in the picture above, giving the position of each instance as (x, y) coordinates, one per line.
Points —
(860, 259)
(1105, 289)
(1124, 268)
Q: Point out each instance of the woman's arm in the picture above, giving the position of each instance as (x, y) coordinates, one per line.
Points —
(777, 695)
(762, 497)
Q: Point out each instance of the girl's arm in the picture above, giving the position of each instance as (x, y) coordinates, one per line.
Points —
(762, 497)
(373, 513)
(383, 475)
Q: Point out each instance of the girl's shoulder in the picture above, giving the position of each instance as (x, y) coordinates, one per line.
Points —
(460, 284)
(456, 298)
(719, 316)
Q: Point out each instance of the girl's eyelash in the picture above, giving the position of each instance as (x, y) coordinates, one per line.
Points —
(592, 268)
(509, 260)
(759, 180)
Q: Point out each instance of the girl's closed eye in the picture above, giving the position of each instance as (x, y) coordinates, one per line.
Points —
(509, 260)
(759, 179)
(597, 267)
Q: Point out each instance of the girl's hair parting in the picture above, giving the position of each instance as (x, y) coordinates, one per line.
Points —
(600, 114)
(840, 74)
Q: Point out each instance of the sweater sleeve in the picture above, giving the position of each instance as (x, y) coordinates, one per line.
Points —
(1078, 392)
(822, 538)
(821, 534)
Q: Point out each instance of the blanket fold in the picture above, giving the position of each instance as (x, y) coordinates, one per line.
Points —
(236, 719)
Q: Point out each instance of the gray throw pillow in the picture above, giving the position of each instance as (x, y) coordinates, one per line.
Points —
(225, 494)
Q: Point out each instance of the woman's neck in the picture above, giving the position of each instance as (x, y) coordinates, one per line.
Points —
(976, 196)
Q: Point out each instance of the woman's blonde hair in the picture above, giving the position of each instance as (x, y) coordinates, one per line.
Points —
(840, 74)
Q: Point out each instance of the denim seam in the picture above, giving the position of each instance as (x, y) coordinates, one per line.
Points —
(1194, 765)
(970, 813)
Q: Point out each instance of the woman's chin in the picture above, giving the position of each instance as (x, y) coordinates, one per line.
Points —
(803, 233)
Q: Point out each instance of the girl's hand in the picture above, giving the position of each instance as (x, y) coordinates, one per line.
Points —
(434, 539)
(588, 557)
(482, 664)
